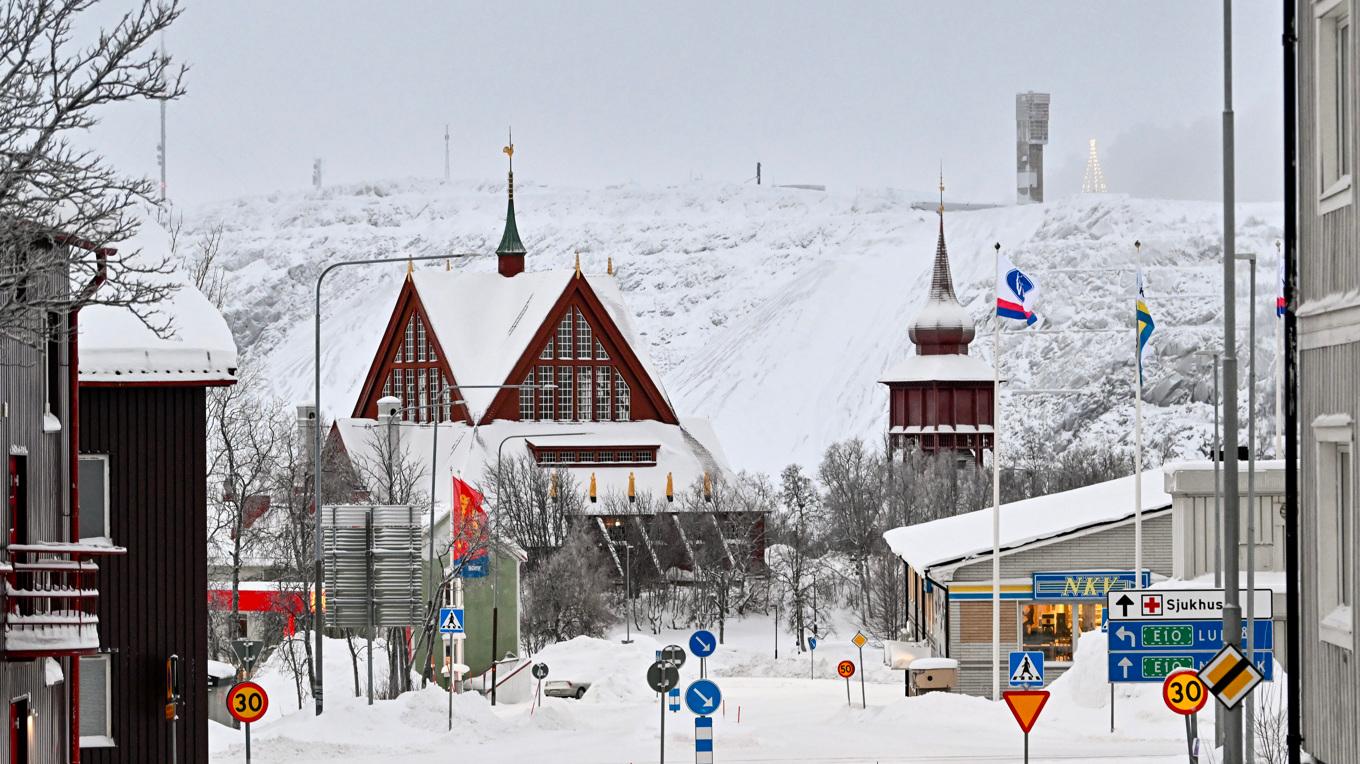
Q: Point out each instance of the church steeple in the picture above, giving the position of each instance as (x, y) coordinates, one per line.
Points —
(943, 327)
(510, 254)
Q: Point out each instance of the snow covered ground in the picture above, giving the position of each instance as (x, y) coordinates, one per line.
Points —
(773, 712)
(774, 311)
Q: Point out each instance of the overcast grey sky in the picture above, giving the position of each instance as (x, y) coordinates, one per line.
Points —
(847, 94)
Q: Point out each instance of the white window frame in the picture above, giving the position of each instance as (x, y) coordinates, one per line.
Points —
(106, 740)
(108, 529)
(1334, 439)
(1333, 194)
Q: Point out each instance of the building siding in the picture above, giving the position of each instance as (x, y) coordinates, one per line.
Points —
(1328, 265)
(152, 599)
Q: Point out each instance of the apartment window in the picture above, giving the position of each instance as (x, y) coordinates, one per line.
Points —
(623, 399)
(526, 397)
(564, 347)
(585, 340)
(1335, 94)
(94, 496)
(547, 354)
(600, 355)
(1335, 528)
(96, 707)
(545, 394)
(564, 394)
(602, 388)
(584, 391)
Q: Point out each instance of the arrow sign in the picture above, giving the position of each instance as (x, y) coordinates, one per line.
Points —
(1184, 635)
(1123, 603)
(1156, 665)
(702, 643)
(1125, 664)
(1124, 633)
(703, 697)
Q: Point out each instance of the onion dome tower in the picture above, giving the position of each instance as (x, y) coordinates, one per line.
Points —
(940, 398)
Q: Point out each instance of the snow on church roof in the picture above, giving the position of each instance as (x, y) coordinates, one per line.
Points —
(944, 368)
(484, 322)
(117, 348)
(967, 536)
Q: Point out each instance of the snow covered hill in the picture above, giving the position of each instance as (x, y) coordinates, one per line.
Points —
(772, 311)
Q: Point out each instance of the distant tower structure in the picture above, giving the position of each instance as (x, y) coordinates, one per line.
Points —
(940, 399)
(316, 173)
(446, 152)
(1031, 135)
(160, 148)
(1093, 182)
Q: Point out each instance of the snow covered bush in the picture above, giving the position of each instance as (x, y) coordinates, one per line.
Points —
(566, 595)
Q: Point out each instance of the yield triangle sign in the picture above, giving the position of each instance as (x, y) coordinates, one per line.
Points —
(1025, 706)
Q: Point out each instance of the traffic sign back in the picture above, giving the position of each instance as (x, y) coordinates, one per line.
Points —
(1025, 706)
(673, 653)
(662, 676)
(539, 670)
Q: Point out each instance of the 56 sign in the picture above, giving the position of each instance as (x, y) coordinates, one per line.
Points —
(247, 702)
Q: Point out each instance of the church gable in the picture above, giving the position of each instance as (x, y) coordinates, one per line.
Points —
(411, 365)
(598, 377)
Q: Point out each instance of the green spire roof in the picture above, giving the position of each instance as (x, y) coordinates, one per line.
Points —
(510, 243)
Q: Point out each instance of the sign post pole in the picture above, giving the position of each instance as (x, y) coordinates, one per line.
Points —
(860, 640)
(846, 669)
(661, 704)
(1025, 706)
(247, 702)
(247, 742)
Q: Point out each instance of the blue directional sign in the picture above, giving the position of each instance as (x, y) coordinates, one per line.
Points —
(1027, 668)
(1182, 635)
(673, 699)
(812, 643)
(703, 697)
(1155, 666)
(702, 643)
(451, 620)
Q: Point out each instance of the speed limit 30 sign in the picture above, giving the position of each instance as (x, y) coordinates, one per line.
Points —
(1184, 692)
(247, 702)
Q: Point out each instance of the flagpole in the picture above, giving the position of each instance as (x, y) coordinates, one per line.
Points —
(1279, 369)
(1137, 425)
(996, 481)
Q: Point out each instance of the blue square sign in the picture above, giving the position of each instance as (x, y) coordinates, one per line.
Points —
(1026, 669)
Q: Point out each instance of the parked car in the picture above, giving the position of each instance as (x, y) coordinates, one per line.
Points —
(562, 688)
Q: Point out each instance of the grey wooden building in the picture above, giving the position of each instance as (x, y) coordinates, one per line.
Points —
(1079, 542)
(1328, 313)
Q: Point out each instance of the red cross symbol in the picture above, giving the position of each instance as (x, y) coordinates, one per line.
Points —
(1152, 604)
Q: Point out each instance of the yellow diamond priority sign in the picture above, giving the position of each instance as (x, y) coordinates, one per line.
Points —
(859, 639)
(1230, 676)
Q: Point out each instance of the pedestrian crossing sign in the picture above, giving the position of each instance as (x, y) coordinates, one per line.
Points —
(1027, 668)
(451, 620)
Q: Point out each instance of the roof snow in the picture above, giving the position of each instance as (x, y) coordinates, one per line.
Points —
(686, 451)
(485, 321)
(944, 368)
(117, 346)
(962, 537)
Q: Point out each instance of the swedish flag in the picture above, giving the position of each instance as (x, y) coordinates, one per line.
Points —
(1145, 324)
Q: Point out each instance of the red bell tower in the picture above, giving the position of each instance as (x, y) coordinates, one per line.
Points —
(940, 399)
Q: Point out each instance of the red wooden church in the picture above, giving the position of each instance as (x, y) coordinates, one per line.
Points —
(585, 396)
(940, 399)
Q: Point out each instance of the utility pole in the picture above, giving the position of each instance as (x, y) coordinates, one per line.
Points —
(446, 152)
(757, 173)
(160, 149)
(1232, 606)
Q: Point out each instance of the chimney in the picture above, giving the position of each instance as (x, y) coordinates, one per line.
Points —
(389, 418)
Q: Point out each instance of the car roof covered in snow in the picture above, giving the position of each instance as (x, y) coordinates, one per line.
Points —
(967, 536)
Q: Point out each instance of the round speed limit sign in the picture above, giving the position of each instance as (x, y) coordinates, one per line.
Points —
(845, 669)
(1184, 692)
(247, 702)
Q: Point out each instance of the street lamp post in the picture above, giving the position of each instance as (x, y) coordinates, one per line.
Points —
(318, 610)
(627, 590)
(1249, 713)
(495, 578)
(1217, 456)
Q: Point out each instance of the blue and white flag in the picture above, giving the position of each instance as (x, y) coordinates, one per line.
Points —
(1015, 292)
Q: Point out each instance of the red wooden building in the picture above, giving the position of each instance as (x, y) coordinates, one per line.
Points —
(940, 399)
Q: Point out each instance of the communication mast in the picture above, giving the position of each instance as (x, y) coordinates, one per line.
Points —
(446, 152)
(1031, 135)
(1093, 182)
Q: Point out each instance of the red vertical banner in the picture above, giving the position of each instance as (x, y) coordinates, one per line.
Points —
(468, 523)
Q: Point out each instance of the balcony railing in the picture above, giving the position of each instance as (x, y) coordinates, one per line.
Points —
(50, 598)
